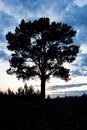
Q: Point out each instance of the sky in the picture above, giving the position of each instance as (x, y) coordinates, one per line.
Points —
(72, 12)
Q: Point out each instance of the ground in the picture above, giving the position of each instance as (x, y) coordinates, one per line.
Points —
(59, 114)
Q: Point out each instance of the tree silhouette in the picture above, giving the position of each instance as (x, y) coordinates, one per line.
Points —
(40, 48)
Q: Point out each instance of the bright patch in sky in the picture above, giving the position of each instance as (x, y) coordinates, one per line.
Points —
(81, 3)
(83, 48)
(72, 12)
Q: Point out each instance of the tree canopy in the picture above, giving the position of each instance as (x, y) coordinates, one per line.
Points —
(39, 48)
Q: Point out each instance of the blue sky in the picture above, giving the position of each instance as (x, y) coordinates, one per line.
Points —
(72, 12)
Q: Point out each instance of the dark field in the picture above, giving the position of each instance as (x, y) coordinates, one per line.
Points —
(53, 114)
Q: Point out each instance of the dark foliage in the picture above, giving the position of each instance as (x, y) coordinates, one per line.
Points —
(22, 94)
(40, 48)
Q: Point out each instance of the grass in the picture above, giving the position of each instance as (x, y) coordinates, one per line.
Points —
(53, 114)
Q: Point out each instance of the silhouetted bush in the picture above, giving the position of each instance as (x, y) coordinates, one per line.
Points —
(48, 97)
(10, 92)
(22, 94)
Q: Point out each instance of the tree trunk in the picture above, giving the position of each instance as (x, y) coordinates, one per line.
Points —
(43, 82)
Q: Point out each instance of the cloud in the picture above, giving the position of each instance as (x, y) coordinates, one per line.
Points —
(79, 67)
(77, 18)
(75, 15)
(70, 93)
(3, 56)
(20, 9)
(58, 87)
(83, 48)
(68, 90)
(80, 3)
(6, 24)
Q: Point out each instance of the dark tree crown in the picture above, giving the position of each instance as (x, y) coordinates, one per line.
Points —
(40, 48)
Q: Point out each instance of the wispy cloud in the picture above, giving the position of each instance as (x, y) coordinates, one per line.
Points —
(80, 3)
(68, 90)
(58, 87)
(3, 55)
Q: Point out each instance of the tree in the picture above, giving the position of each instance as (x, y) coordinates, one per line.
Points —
(40, 48)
